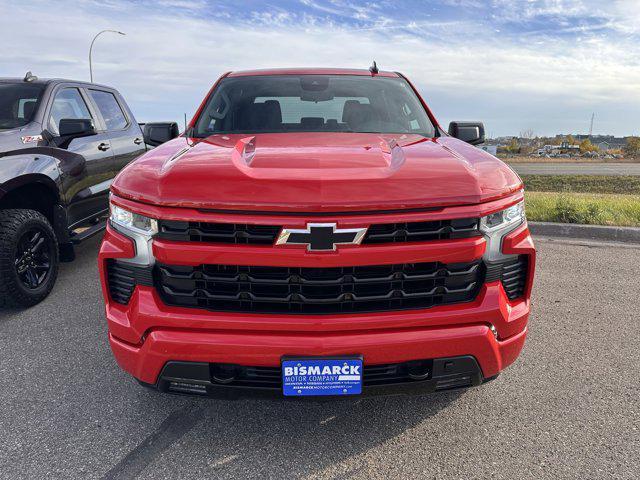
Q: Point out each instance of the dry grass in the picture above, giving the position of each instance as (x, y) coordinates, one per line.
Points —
(622, 184)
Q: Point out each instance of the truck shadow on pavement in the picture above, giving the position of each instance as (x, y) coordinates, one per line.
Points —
(271, 438)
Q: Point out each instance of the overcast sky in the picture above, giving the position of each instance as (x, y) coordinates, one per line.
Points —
(544, 65)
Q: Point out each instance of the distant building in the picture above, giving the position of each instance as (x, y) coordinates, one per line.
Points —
(554, 150)
(492, 149)
(504, 140)
(608, 142)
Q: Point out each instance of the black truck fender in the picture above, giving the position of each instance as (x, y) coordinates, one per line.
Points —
(37, 166)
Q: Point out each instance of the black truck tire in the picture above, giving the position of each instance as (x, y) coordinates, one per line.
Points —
(28, 258)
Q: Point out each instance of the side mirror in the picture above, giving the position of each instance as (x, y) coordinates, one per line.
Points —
(157, 133)
(470, 132)
(76, 127)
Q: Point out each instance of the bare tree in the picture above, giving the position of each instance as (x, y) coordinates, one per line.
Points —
(528, 134)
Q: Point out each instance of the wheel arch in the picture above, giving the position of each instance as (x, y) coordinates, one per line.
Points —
(35, 191)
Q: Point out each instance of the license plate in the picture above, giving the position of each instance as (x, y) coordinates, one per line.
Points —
(311, 376)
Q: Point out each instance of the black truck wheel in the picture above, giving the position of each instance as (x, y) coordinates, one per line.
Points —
(28, 258)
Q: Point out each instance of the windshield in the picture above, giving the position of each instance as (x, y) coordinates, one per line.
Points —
(18, 103)
(313, 103)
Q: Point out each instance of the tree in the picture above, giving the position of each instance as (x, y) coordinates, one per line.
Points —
(586, 146)
(632, 148)
(514, 146)
(527, 134)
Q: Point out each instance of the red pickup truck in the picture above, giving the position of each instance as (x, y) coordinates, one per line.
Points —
(316, 232)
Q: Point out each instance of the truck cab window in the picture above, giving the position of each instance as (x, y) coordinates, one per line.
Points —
(68, 103)
(110, 109)
(18, 103)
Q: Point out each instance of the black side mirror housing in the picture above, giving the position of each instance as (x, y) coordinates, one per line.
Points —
(156, 133)
(76, 127)
(470, 132)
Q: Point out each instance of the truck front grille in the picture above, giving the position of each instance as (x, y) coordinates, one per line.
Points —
(319, 290)
(422, 231)
(239, 233)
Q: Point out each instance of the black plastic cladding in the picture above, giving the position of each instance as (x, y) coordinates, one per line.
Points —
(417, 376)
(122, 278)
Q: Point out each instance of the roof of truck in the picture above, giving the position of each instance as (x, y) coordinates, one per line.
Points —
(312, 71)
(47, 81)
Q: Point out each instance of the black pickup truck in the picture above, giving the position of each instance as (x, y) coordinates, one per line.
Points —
(61, 144)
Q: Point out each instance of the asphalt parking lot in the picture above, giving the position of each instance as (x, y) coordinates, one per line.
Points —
(568, 408)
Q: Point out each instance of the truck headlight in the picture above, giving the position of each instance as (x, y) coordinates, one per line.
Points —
(133, 221)
(497, 225)
(509, 217)
(138, 228)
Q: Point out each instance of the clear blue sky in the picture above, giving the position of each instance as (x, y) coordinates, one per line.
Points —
(544, 65)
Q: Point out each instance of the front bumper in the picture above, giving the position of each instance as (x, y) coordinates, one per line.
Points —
(455, 332)
(199, 378)
(146, 335)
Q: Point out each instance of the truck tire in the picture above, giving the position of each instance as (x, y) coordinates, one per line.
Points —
(28, 258)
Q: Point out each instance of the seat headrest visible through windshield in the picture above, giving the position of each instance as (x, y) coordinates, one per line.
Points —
(356, 114)
(28, 109)
(262, 116)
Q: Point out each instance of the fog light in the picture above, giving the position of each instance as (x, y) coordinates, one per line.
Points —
(224, 373)
(493, 330)
(419, 369)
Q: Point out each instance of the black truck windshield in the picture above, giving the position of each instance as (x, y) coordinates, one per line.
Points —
(18, 103)
(313, 103)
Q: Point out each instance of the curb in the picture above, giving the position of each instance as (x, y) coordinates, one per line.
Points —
(590, 232)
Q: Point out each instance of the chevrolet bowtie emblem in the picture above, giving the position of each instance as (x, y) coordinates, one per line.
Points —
(321, 236)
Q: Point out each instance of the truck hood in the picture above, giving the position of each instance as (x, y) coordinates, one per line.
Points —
(315, 172)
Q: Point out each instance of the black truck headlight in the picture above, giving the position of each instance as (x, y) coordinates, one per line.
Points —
(495, 226)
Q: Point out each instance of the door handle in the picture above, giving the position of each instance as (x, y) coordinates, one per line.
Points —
(137, 141)
(104, 147)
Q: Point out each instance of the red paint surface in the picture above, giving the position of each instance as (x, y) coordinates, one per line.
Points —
(315, 172)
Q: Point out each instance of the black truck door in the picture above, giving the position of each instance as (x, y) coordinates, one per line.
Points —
(85, 187)
(125, 134)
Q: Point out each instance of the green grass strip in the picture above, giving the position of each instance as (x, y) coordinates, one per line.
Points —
(585, 208)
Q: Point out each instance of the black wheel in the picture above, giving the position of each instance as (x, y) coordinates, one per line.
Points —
(28, 258)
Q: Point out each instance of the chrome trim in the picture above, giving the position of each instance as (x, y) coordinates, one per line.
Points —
(286, 232)
(143, 245)
(495, 235)
(178, 154)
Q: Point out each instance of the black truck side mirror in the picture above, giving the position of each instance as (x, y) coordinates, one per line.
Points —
(470, 132)
(76, 127)
(156, 133)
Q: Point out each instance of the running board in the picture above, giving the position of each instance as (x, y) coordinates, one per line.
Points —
(81, 234)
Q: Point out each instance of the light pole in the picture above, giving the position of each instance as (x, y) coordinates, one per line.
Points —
(91, 49)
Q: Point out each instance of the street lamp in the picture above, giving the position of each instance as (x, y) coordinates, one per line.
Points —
(91, 48)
